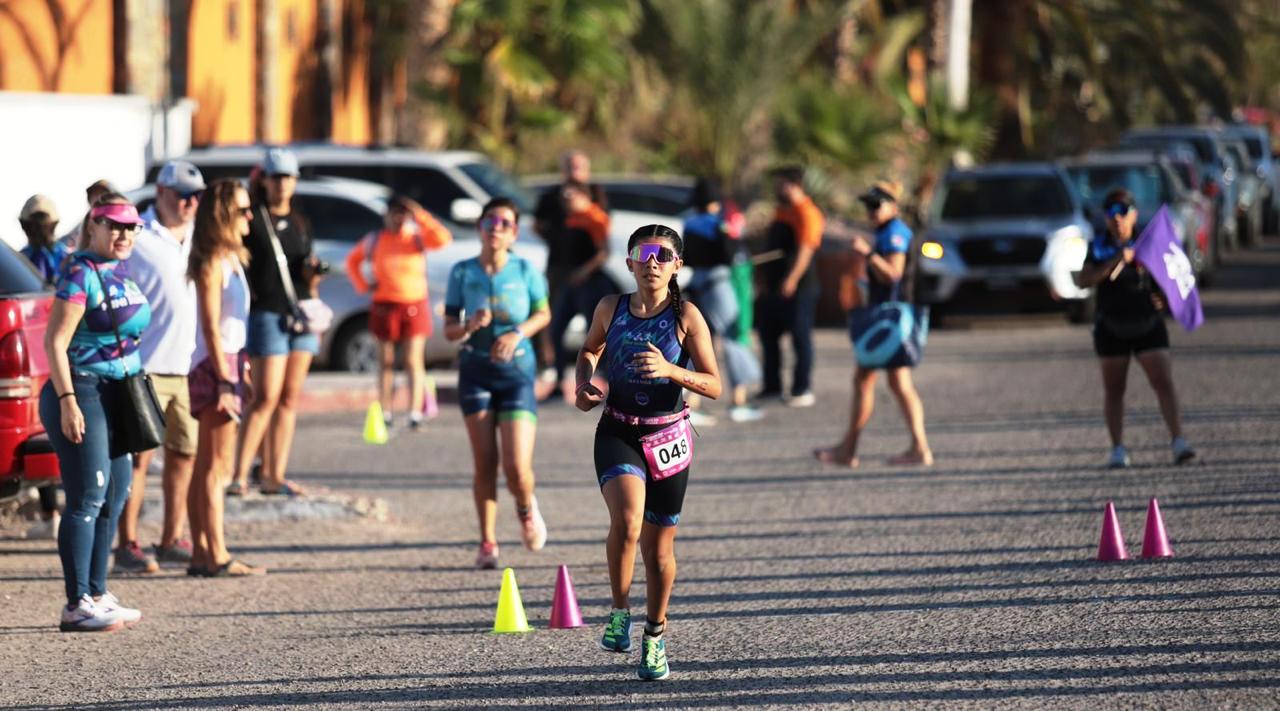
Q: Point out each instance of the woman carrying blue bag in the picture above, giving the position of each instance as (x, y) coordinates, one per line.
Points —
(888, 332)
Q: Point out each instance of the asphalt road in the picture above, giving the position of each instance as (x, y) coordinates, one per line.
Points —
(969, 584)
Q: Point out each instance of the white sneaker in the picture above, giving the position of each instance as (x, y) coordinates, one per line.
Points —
(802, 400)
(1119, 458)
(87, 617)
(1182, 451)
(745, 413)
(109, 606)
(533, 530)
(701, 419)
(45, 530)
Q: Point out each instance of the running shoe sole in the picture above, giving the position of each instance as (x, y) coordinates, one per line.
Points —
(73, 627)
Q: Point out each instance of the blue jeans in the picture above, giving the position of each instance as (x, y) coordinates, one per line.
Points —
(712, 292)
(96, 485)
(776, 316)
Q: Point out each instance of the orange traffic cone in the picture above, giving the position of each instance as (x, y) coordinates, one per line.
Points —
(1111, 544)
(1155, 542)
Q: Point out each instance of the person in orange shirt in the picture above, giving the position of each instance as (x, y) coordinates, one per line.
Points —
(586, 249)
(400, 312)
(788, 302)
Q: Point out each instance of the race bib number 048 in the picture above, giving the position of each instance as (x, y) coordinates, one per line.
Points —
(669, 450)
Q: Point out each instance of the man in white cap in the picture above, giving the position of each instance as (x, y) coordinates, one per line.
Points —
(159, 266)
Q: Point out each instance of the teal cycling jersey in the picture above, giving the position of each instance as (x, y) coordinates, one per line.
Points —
(511, 296)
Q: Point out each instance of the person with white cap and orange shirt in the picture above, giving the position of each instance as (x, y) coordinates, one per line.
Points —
(159, 265)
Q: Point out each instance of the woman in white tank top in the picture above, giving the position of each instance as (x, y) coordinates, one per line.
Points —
(217, 380)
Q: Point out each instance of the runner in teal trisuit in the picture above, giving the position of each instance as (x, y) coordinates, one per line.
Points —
(645, 342)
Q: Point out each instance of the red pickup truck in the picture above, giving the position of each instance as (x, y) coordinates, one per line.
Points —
(26, 456)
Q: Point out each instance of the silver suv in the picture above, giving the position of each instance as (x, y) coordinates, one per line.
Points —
(1015, 228)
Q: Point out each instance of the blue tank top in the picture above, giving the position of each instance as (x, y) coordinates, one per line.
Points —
(628, 334)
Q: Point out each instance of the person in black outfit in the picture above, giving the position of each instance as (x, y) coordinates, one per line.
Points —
(549, 219)
(1129, 323)
(788, 300)
(279, 359)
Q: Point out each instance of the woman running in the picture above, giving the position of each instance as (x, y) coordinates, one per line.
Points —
(504, 300)
(644, 445)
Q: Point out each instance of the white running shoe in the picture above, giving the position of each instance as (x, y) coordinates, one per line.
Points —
(109, 606)
(88, 617)
(45, 530)
(1182, 451)
(701, 419)
(533, 530)
(802, 400)
(1119, 458)
(487, 558)
(745, 413)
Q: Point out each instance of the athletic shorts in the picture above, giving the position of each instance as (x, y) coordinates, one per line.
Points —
(267, 338)
(1108, 345)
(391, 322)
(504, 388)
(203, 383)
(180, 428)
(618, 453)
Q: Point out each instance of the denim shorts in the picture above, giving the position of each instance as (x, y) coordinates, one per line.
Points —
(504, 388)
(267, 338)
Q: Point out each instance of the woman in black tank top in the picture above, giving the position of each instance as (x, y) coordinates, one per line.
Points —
(651, 346)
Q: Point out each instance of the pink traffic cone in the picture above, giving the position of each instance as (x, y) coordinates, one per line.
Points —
(1155, 542)
(564, 604)
(1111, 545)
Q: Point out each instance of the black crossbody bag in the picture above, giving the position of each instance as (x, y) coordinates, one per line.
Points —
(137, 421)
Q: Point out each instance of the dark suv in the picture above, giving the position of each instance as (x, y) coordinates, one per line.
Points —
(26, 455)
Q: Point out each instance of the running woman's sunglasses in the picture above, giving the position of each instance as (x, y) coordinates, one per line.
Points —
(641, 253)
(1118, 209)
(492, 223)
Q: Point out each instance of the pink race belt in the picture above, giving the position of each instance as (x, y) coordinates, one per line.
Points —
(653, 420)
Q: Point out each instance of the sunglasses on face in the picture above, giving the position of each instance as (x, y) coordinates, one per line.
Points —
(191, 196)
(497, 223)
(641, 253)
(246, 210)
(872, 205)
(1118, 209)
(116, 226)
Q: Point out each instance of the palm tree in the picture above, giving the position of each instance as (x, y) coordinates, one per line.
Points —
(729, 62)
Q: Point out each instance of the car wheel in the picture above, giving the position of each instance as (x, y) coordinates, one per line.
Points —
(355, 349)
(1081, 310)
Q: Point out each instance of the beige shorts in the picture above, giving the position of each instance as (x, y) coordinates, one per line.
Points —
(180, 428)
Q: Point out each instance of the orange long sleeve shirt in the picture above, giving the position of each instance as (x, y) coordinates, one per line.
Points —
(399, 260)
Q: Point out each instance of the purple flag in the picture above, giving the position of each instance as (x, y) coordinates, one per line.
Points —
(1158, 250)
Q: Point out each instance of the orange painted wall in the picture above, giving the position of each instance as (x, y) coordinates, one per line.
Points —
(351, 115)
(220, 73)
(29, 56)
(296, 65)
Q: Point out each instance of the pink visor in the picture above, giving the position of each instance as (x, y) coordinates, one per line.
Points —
(120, 214)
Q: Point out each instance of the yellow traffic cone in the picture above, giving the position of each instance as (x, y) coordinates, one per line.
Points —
(510, 617)
(375, 428)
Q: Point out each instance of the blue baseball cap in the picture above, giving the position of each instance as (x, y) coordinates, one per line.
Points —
(280, 161)
(183, 177)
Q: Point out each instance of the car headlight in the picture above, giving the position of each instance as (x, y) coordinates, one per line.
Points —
(931, 250)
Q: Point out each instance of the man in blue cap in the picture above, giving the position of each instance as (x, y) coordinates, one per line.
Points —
(159, 266)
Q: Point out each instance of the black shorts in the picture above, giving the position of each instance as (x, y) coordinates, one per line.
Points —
(618, 453)
(1108, 345)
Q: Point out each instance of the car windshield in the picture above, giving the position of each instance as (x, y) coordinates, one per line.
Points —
(1202, 145)
(1256, 147)
(16, 274)
(494, 181)
(1147, 183)
(972, 197)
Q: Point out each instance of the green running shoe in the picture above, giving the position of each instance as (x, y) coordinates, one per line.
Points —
(617, 632)
(653, 659)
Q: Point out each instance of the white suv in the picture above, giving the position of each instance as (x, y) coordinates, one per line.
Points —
(450, 184)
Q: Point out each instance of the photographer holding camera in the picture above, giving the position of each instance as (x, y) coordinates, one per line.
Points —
(282, 336)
